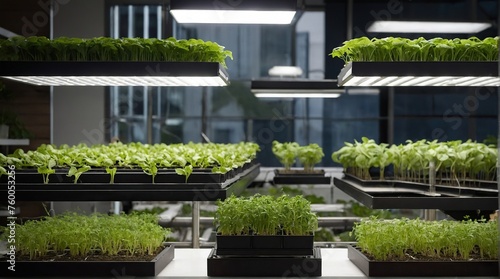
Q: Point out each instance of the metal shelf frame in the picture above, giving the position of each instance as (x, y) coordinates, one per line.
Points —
(115, 73)
(384, 197)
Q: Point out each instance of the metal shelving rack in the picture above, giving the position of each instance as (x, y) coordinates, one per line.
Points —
(115, 73)
(414, 196)
(391, 195)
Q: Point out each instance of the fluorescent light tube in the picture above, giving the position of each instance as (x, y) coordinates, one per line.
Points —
(7, 33)
(382, 26)
(297, 95)
(234, 12)
(233, 16)
(285, 71)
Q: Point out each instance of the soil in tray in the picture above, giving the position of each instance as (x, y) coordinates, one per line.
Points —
(410, 256)
(96, 257)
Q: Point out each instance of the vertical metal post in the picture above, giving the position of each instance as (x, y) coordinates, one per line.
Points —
(350, 23)
(390, 116)
(149, 120)
(249, 135)
(204, 124)
(145, 22)
(498, 126)
(196, 224)
(51, 36)
(430, 214)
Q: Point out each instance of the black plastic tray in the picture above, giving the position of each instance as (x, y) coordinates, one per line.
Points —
(135, 191)
(303, 178)
(482, 187)
(265, 245)
(264, 266)
(89, 268)
(421, 268)
(129, 175)
(408, 197)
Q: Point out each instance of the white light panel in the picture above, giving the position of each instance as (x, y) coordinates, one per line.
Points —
(423, 81)
(383, 26)
(232, 16)
(119, 80)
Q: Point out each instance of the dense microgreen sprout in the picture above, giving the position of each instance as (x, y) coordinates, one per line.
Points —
(403, 49)
(394, 239)
(221, 158)
(82, 235)
(108, 49)
(265, 215)
(456, 162)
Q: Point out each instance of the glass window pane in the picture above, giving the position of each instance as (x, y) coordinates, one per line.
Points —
(335, 133)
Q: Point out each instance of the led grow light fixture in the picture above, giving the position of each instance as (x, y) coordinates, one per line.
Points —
(295, 88)
(115, 73)
(440, 27)
(234, 12)
(419, 74)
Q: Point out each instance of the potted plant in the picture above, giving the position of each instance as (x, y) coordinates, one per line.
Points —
(95, 245)
(404, 247)
(288, 153)
(278, 230)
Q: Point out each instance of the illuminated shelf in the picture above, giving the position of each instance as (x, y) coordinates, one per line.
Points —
(419, 74)
(115, 73)
(295, 88)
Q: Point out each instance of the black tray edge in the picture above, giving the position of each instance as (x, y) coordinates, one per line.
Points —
(435, 268)
(98, 269)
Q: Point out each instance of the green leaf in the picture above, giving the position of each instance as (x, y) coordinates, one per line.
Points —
(186, 171)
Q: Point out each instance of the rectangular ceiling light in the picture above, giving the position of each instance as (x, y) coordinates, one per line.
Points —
(234, 12)
(295, 88)
(52, 73)
(385, 26)
(297, 95)
(394, 74)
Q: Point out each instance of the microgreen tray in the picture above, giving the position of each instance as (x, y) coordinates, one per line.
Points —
(421, 268)
(300, 177)
(469, 186)
(384, 196)
(264, 266)
(127, 175)
(89, 268)
(147, 191)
